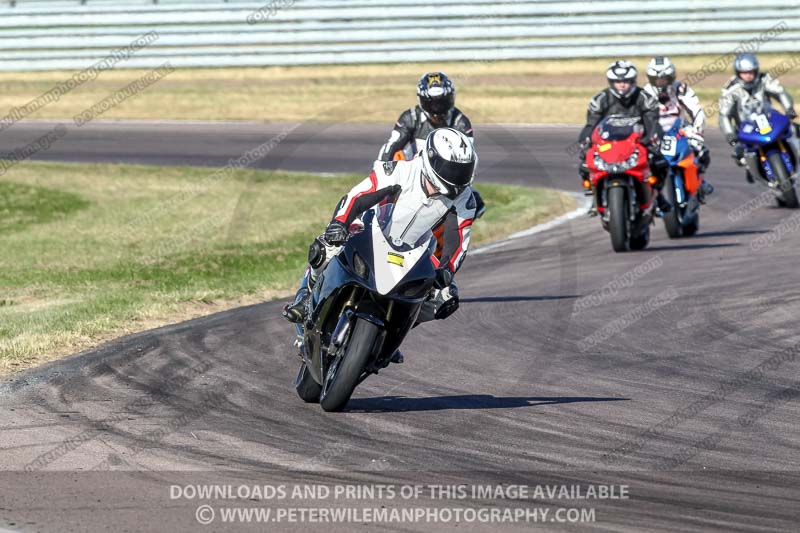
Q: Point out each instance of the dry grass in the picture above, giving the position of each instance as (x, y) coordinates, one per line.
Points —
(107, 250)
(491, 92)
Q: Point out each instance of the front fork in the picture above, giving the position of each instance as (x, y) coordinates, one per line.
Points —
(758, 165)
(619, 181)
(680, 190)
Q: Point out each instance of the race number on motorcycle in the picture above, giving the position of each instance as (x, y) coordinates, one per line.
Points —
(763, 124)
(668, 146)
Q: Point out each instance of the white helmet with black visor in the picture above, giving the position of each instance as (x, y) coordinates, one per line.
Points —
(449, 161)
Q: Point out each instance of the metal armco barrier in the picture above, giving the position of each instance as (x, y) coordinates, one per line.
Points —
(49, 34)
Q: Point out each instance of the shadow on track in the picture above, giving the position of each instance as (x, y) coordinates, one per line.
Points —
(467, 401)
(516, 298)
(690, 247)
(730, 233)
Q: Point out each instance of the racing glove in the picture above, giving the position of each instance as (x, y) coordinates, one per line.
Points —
(336, 233)
(695, 139)
(791, 113)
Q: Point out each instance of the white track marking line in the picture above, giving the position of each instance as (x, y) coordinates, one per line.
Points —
(584, 201)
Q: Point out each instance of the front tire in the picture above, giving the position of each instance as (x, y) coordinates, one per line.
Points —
(308, 389)
(672, 222)
(782, 179)
(618, 219)
(344, 372)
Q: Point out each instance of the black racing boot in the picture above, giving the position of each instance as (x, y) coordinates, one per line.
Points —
(662, 205)
(705, 189)
(296, 312)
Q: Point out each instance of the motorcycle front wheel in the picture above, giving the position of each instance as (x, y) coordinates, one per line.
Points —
(345, 370)
(672, 222)
(789, 195)
(618, 219)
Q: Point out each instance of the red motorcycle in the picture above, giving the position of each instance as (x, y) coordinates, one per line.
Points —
(621, 181)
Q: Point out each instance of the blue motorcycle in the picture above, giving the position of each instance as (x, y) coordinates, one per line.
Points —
(682, 184)
(771, 151)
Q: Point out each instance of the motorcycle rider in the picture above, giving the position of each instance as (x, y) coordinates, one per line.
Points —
(624, 97)
(746, 85)
(436, 95)
(435, 188)
(676, 100)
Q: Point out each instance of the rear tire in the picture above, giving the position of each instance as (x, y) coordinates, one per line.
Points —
(781, 178)
(308, 389)
(672, 221)
(641, 242)
(343, 374)
(691, 228)
(618, 219)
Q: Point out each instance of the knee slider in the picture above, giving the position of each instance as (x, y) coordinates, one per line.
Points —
(316, 254)
(705, 157)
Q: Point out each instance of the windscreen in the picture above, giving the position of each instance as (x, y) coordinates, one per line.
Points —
(616, 128)
(399, 228)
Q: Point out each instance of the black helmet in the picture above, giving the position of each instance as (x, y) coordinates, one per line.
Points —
(621, 71)
(448, 161)
(437, 95)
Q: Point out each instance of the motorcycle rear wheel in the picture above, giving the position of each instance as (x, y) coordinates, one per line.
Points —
(641, 242)
(308, 389)
(692, 227)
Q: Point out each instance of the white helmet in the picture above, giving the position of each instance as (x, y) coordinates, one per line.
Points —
(746, 63)
(621, 71)
(661, 67)
(448, 161)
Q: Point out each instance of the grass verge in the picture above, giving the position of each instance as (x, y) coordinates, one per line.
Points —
(490, 92)
(91, 251)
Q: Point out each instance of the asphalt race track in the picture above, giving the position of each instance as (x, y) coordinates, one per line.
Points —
(678, 378)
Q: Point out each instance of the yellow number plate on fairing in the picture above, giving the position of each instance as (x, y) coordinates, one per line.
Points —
(763, 124)
(604, 147)
(395, 259)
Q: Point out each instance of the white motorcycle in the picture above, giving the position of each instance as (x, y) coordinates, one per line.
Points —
(361, 308)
